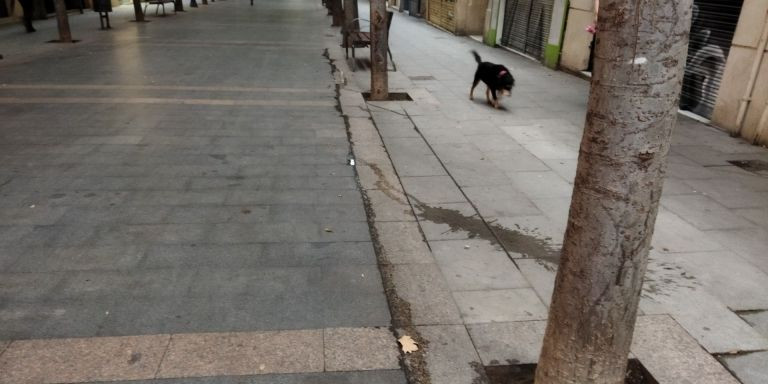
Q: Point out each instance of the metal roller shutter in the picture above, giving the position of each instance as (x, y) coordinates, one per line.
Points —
(714, 23)
(526, 26)
(442, 13)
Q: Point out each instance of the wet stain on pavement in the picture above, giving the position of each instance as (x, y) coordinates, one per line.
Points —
(755, 166)
(665, 278)
(384, 186)
(527, 244)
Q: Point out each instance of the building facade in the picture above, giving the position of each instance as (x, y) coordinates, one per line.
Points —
(726, 74)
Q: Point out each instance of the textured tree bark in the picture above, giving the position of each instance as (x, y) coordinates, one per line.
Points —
(138, 13)
(350, 13)
(379, 81)
(65, 35)
(640, 55)
(337, 12)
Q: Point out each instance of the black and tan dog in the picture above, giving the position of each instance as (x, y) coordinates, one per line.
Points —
(496, 77)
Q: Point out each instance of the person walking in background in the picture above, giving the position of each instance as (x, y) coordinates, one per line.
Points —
(28, 6)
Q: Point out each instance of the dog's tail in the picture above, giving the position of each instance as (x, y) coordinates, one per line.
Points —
(477, 57)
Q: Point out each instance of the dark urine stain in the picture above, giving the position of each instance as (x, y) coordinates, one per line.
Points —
(517, 241)
(755, 166)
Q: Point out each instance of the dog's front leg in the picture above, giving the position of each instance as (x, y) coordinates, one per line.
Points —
(495, 99)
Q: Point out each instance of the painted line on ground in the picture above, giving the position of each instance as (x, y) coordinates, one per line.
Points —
(147, 357)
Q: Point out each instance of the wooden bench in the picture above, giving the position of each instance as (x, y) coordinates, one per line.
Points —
(158, 4)
(355, 38)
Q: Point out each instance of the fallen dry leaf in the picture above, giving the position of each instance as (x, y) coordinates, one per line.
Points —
(407, 344)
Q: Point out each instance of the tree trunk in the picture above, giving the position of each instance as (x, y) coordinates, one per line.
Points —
(379, 43)
(65, 35)
(337, 12)
(350, 13)
(178, 6)
(639, 60)
(138, 13)
(205, 2)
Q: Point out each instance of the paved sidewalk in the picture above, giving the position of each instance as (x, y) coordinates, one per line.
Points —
(481, 199)
(176, 202)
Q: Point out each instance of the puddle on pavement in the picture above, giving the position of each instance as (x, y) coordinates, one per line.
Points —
(527, 244)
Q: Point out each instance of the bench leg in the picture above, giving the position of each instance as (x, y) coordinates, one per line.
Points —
(394, 67)
(145, 8)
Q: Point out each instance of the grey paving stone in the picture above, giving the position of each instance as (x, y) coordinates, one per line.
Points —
(502, 200)
(748, 243)
(50, 319)
(360, 349)
(703, 316)
(716, 272)
(758, 320)
(750, 368)
(516, 161)
(418, 165)
(673, 234)
(57, 236)
(552, 150)
(729, 194)
(53, 259)
(487, 306)
(295, 196)
(704, 213)
(9, 234)
(508, 343)
(476, 265)
(759, 216)
(541, 184)
(362, 130)
(672, 356)
(127, 214)
(541, 275)
(423, 287)
(402, 243)
(450, 355)
(28, 286)
(397, 129)
(389, 205)
(433, 189)
(494, 143)
(258, 254)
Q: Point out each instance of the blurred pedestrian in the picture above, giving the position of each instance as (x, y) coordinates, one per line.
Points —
(28, 7)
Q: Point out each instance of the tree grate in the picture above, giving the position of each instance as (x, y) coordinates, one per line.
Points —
(525, 374)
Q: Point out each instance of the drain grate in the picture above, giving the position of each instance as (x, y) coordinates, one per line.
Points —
(756, 166)
(421, 78)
